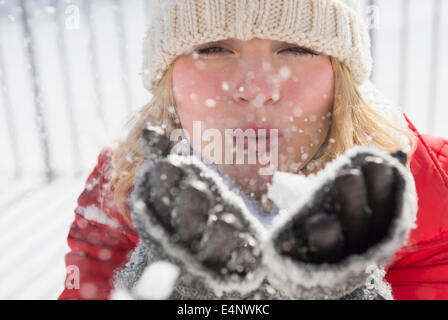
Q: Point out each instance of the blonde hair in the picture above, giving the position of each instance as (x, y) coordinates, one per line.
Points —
(354, 122)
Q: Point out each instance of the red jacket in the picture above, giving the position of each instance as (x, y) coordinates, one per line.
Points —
(101, 241)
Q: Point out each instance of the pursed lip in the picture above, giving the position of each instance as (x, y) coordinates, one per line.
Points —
(264, 134)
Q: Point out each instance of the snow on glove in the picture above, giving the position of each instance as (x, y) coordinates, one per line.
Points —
(359, 213)
(191, 210)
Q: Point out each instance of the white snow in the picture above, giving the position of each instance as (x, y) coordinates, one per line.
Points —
(284, 189)
(121, 294)
(96, 214)
(210, 103)
(157, 281)
(285, 73)
(34, 223)
(267, 66)
(298, 112)
(225, 86)
(200, 65)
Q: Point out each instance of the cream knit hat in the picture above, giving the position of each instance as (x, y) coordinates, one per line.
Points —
(332, 27)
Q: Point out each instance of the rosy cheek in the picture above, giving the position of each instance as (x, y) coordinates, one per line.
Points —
(185, 84)
(317, 85)
(199, 96)
(311, 99)
(308, 112)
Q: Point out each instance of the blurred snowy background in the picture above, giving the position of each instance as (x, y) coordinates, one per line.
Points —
(69, 79)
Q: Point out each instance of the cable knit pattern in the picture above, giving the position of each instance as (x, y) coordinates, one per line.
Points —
(332, 27)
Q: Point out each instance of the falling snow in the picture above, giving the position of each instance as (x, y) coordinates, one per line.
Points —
(200, 65)
(298, 112)
(225, 86)
(210, 103)
(285, 73)
(157, 281)
(267, 66)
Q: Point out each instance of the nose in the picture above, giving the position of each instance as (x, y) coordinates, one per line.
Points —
(257, 89)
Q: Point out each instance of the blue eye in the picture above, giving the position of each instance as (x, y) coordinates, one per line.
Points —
(210, 50)
(300, 51)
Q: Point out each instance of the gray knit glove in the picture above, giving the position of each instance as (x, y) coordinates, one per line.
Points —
(191, 210)
(358, 214)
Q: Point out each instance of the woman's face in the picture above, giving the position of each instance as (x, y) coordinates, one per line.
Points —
(258, 84)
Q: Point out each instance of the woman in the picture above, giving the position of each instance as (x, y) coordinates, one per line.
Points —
(297, 69)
